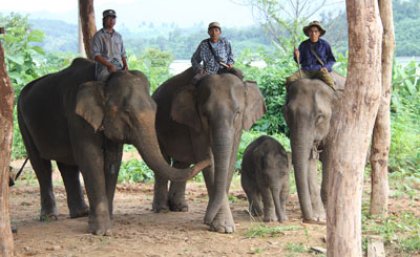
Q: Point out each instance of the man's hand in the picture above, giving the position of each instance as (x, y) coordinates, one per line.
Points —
(229, 66)
(323, 69)
(111, 68)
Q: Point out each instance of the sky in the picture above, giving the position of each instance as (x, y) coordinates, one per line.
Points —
(133, 12)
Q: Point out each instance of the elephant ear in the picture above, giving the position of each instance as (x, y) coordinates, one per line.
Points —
(90, 103)
(255, 106)
(183, 109)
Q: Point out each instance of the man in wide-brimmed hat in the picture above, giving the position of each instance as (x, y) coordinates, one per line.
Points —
(314, 55)
(213, 55)
(107, 48)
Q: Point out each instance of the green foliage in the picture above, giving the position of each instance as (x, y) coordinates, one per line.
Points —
(154, 64)
(405, 110)
(401, 230)
(262, 230)
(134, 171)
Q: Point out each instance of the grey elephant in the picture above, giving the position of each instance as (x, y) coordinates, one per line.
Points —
(265, 178)
(309, 111)
(82, 125)
(199, 122)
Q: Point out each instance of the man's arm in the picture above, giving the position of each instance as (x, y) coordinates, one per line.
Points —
(123, 56)
(110, 67)
(196, 59)
(330, 58)
(230, 60)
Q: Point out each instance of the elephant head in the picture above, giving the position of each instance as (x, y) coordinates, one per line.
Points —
(219, 107)
(308, 114)
(122, 108)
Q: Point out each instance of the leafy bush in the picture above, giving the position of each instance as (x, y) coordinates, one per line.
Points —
(134, 171)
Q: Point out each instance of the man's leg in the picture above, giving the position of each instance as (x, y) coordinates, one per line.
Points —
(300, 74)
(327, 78)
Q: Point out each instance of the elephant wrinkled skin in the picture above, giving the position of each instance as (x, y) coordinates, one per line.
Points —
(265, 178)
(196, 122)
(82, 124)
(309, 111)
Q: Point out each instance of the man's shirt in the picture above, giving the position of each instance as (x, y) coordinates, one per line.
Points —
(110, 46)
(223, 51)
(308, 60)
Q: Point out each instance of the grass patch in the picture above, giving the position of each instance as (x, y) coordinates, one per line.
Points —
(296, 248)
(267, 231)
(401, 231)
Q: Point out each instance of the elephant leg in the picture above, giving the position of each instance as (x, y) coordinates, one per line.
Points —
(314, 191)
(74, 191)
(176, 197)
(223, 221)
(160, 195)
(254, 197)
(113, 157)
(43, 172)
(269, 214)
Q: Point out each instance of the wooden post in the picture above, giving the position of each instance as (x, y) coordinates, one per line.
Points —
(351, 134)
(381, 140)
(87, 19)
(6, 135)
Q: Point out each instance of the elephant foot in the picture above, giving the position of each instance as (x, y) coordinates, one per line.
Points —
(256, 212)
(318, 221)
(48, 215)
(222, 223)
(100, 226)
(282, 218)
(270, 218)
(160, 207)
(178, 206)
(79, 212)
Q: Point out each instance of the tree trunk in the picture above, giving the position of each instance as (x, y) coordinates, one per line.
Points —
(346, 157)
(381, 140)
(87, 19)
(6, 134)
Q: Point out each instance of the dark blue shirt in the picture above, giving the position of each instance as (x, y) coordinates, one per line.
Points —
(308, 60)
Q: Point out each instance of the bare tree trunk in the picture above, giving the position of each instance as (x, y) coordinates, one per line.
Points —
(6, 134)
(87, 19)
(381, 140)
(80, 45)
(346, 156)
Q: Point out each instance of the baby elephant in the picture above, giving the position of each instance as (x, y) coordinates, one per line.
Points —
(265, 174)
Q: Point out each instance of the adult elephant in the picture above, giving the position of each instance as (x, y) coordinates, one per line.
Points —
(82, 125)
(201, 121)
(310, 109)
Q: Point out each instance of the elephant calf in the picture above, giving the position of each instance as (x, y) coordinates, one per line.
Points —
(265, 174)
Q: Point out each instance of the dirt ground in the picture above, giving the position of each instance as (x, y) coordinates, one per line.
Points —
(137, 231)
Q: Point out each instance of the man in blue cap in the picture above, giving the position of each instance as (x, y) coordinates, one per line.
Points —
(107, 48)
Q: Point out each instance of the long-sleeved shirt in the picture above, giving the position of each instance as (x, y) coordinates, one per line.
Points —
(110, 46)
(223, 51)
(308, 60)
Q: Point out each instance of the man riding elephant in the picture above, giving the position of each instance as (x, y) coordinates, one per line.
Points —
(315, 56)
(215, 53)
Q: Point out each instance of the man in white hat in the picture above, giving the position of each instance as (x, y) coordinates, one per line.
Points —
(213, 55)
(314, 55)
(107, 48)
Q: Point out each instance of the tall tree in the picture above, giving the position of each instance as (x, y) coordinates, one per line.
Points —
(358, 110)
(6, 134)
(87, 19)
(381, 140)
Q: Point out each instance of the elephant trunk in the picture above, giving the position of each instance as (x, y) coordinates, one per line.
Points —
(222, 147)
(301, 150)
(145, 140)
